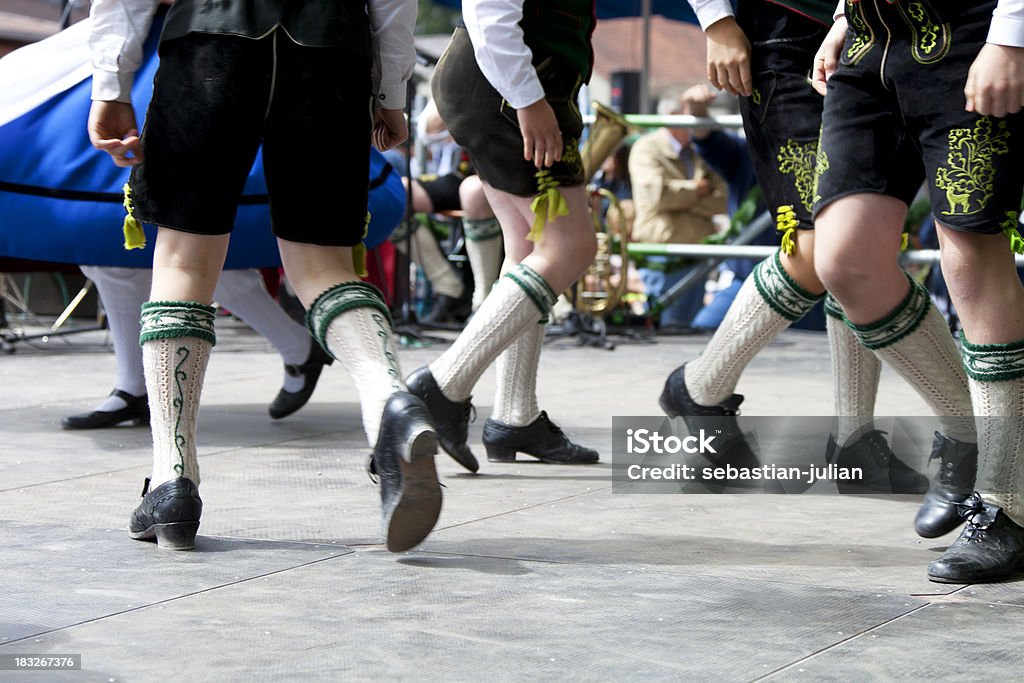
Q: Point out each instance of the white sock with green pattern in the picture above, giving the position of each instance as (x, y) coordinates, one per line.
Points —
(768, 302)
(517, 300)
(353, 323)
(996, 376)
(915, 341)
(485, 251)
(176, 340)
(855, 375)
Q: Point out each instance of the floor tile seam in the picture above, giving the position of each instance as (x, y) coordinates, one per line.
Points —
(523, 508)
(205, 455)
(859, 592)
(175, 598)
(844, 641)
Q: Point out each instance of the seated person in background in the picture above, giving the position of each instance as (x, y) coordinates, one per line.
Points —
(452, 186)
(728, 156)
(124, 290)
(675, 195)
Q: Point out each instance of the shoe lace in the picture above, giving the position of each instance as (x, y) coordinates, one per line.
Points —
(468, 411)
(555, 429)
(968, 509)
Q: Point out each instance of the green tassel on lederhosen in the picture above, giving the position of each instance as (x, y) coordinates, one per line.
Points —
(359, 251)
(134, 237)
(1009, 227)
(547, 205)
(786, 223)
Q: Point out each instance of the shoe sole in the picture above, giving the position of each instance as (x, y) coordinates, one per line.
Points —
(172, 536)
(988, 579)
(419, 506)
(507, 455)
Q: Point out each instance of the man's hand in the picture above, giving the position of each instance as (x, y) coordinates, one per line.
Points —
(826, 61)
(703, 187)
(995, 83)
(542, 139)
(112, 129)
(729, 57)
(696, 99)
(390, 128)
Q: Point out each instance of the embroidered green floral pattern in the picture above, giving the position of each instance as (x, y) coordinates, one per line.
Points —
(820, 166)
(931, 40)
(968, 177)
(863, 35)
(798, 159)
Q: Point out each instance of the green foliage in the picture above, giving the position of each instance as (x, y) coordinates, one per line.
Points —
(434, 19)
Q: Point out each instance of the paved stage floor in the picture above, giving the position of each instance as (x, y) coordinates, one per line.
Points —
(534, 572)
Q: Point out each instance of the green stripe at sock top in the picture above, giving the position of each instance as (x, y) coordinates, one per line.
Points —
(343, 297)
(189, 319)
(1006, 360)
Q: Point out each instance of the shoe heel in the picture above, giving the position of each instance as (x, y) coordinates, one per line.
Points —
(500, 453)
(176, 535)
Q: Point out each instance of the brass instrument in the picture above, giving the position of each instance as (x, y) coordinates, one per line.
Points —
(597, 292)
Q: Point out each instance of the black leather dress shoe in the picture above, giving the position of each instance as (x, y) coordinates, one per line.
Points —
(676, 401)
(882, 470)
(952, 484)
(137, 412)
(403, 462)
(450, 418)
(169, 514)
(287, 402)
(990, 547)
(542, 439)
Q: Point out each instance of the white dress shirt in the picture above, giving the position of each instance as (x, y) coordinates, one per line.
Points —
(500, 50)
(120, 27)
(710, 11)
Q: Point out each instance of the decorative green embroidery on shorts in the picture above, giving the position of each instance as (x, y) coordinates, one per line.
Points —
(820, 166)
(968, 179)
(756, 96)
(931, 40)
(863, 34)
(798, 159)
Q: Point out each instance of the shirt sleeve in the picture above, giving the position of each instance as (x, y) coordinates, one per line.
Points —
(119, 30)
(501, 50)
(392, 23)
(710, 11)
(1007, 26)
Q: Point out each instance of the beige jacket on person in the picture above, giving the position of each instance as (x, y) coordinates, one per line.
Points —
(668, 210)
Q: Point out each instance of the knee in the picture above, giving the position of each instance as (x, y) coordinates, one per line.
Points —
(473, 200)
(840, 270)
